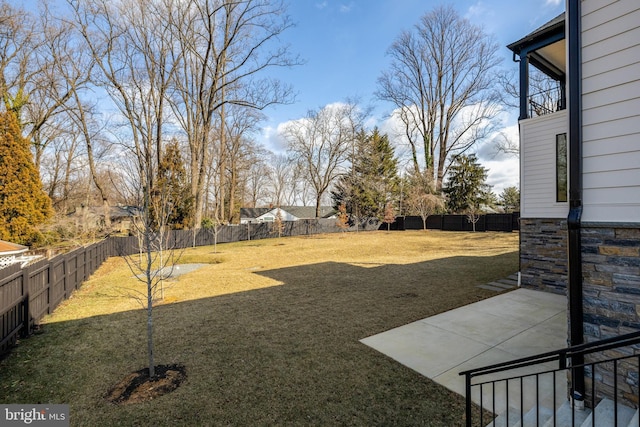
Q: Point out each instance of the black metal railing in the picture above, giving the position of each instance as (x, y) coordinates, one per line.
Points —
(605, 358)
(546, 102)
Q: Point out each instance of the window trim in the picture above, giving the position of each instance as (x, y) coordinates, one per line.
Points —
(562, 169)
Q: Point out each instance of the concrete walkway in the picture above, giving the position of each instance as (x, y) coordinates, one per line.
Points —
(505, 327)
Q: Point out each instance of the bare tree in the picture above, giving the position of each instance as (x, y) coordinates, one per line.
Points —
(280, 174)
(241, 156)
(321, 143)
(134, 53)
(421, 196)
(257, 180)
(226, 44)
(441, 82)
(17, 42)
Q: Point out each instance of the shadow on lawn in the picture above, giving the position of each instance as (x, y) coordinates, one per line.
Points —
(281, 355)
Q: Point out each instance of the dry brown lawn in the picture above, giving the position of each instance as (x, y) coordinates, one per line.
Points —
(268, 331)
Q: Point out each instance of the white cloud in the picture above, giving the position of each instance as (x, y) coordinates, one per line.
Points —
(553, 2)
(502, 174)
(322, 5)
(477, 10)
(271, 138)
(346, 8)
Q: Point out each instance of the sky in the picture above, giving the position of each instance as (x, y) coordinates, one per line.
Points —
(344, 45)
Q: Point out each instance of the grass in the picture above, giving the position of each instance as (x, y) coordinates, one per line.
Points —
(268, 331)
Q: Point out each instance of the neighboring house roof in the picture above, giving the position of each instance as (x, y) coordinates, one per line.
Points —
(115, 212)
(253, 212)
(272, 214)
(309, 212)
(299, 212)
(123, 211)
(8, 248)
(13, 253)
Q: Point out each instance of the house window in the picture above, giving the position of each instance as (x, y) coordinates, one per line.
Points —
(561, 167)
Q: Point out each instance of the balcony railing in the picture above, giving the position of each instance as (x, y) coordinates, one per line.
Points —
(546, 102)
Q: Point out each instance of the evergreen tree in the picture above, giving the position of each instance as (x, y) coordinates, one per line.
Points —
(173, 194)
(372, 182)
(510, 199)
(466, 188)
(23, 203)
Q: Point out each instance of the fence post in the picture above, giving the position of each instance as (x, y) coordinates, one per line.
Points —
(26, 323)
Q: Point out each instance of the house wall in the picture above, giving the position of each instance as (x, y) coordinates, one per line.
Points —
(543, 254)
(611, 300)
(538, 166)
(611, 185)
(611, 110)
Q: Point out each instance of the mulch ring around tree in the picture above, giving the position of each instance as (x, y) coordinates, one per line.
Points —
(137, 387)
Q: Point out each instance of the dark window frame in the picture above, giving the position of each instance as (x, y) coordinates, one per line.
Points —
(562, 169)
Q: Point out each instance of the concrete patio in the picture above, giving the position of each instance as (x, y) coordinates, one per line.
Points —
(505, 327)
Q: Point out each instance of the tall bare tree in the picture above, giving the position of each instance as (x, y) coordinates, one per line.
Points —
(441, 83)
(280, 174)
(226, 44)
(321, 143)
(134, 52)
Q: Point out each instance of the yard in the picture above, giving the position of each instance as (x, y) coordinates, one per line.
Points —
(268, 332)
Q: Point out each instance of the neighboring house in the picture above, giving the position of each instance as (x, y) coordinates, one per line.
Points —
(288, 213)
(580, 167)
(12, 253)
(91, 218)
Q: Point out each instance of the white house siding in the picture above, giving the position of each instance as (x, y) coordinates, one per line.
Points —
(538, 166)
(611, 110)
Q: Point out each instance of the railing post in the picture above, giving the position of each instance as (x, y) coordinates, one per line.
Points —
(467, 380)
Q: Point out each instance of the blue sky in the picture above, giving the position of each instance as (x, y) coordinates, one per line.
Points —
(344, 44)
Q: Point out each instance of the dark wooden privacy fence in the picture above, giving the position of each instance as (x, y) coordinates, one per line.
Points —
(27, 294)
(488, 222)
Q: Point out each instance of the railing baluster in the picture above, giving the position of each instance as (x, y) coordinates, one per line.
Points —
(521, 401)
(481, 407)
(555, 416)
(572, 396)
(537, 400)
(615, 393)
(467, 409)
(493, 400)
(593, 394)
(507, 402)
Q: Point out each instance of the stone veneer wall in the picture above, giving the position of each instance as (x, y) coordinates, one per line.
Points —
(611, 298)
(543, 254)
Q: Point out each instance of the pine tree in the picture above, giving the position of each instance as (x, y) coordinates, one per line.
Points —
(23, 203)
(466, 188)
(172, 189)
(372, 181)
(510, 199)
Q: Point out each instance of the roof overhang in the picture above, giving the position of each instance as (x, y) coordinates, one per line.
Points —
(545, 48)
